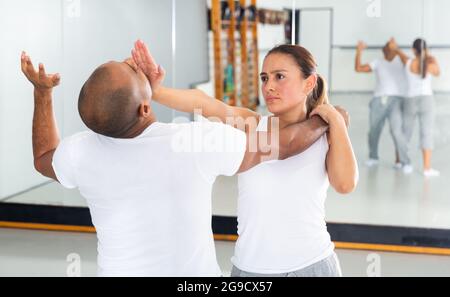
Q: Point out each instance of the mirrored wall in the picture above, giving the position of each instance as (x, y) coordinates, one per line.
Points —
(331, 31)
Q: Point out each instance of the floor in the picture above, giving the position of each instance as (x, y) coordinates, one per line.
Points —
(45, 253)
(383, 197)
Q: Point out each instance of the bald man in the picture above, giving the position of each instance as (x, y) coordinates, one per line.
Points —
(386, 104)
(147, 184)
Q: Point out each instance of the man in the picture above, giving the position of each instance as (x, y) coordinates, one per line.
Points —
(147, 184)
(387, 102)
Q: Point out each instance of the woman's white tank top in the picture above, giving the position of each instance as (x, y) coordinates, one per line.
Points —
(417, 85)
(281, 212)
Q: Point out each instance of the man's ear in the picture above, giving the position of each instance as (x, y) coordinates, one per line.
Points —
(145, 109)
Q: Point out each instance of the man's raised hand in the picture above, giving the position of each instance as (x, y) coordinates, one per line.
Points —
(39, 79)
(145, 61)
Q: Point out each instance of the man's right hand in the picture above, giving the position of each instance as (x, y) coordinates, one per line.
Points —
(40, 80)
(361, 46)
(142, 57)
(393, 44)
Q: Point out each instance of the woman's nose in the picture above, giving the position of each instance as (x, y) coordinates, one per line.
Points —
(270, 87)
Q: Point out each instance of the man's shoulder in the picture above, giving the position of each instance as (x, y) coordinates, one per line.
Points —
(80, 136)
(77, 139)
(199, 124)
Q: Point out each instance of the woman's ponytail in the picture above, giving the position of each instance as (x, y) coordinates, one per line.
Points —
(319, 95)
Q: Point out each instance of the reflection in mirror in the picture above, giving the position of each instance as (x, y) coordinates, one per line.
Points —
(388, 193)
(391, 109)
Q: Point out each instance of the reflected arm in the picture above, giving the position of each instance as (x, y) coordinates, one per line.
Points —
(359, 67)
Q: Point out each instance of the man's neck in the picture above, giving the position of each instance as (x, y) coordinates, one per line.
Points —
(140, 127)
(390, 58)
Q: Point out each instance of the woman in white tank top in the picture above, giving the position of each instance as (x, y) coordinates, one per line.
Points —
(420, 102)
(281, 205)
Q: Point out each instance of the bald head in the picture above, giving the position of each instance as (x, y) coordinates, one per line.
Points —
(389, 54)
(110, 100)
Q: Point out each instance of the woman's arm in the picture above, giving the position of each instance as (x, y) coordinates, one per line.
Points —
(394, 47)
(191, 101)
(404, 57)
(341, 162)
(294, 139)
(433, 66)
(196, 101)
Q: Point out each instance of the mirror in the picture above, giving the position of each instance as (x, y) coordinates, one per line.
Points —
(385, 196)
(388, 206)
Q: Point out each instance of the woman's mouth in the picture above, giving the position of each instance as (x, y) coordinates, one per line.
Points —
(271, 99)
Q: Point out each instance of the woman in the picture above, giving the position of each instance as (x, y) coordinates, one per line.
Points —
(420, 102)
(281, 215)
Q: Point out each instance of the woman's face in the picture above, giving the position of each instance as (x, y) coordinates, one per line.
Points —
(283, 84)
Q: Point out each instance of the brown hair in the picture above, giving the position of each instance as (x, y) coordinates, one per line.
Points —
(420, 45)
(308, 67)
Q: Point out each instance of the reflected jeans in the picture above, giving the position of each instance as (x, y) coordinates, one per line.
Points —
(391, 109)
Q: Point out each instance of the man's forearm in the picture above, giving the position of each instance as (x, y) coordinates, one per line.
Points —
(45, 131)
(358, 60)
(297, 138)
(281, 144)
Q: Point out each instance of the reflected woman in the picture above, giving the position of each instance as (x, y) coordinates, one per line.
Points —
(281, 205)
(420, 103)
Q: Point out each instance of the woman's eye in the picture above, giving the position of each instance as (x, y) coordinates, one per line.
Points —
(263, 79)
(280, 76)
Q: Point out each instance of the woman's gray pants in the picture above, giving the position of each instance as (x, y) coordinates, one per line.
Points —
(423, 108)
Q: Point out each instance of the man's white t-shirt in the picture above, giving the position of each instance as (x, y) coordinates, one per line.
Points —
(390, 77)
(150, 197)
